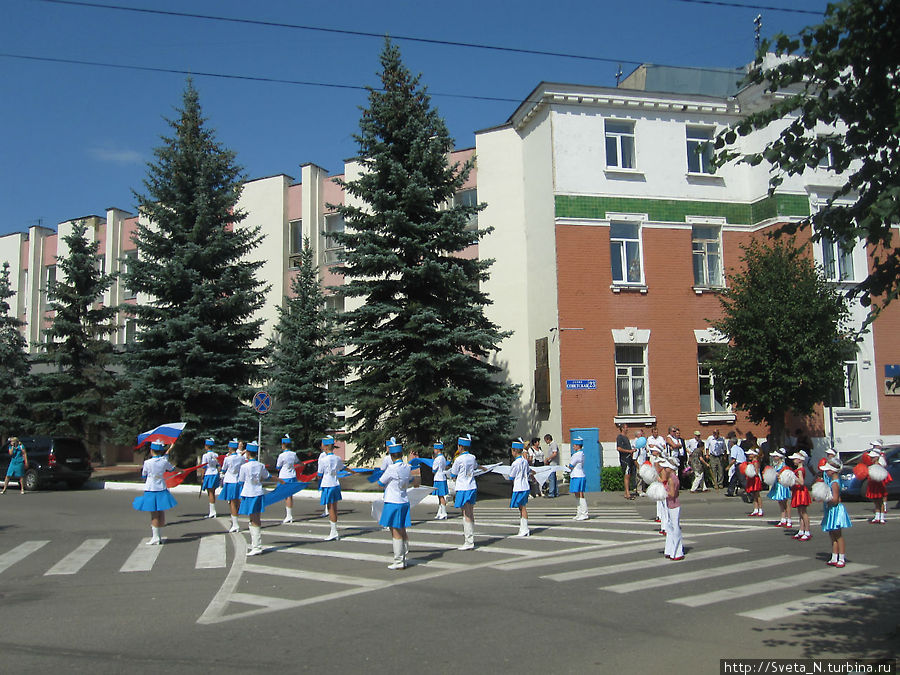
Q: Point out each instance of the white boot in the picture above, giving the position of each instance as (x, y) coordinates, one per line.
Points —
(399, 561)
(333, 535)
(523, 528)
(442, 512)
(255, 540)
(212, 511)
(288, 515)
(582, 512)
(154, 539)
(468, 536)
(405, 549)
(325, 513)
(234, 525)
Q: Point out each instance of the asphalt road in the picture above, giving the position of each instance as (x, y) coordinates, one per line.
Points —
(80, 591)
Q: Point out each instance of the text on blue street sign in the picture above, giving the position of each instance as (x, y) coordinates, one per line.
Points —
(262, 402)
(581, 384)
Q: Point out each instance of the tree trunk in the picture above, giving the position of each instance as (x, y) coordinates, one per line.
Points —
(776, 430)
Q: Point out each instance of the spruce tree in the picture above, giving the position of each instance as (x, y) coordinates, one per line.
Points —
(73, 380)
(13, 364)
(419, 344)
(305, 362)
(196, 354)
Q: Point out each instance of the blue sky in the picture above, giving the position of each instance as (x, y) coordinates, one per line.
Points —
(77, 138)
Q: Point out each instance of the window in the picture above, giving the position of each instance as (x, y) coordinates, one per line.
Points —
(295, 234)
(100, 264)
(848, 395)
(707, 255)
(631, 379)
(625, 252)
(468, 198)
(334, 303)
(49, 281)
(837, 259)
(333, 252)
(619, 144)
(336, 388)
(712, 400)
(130, 331)
(826, 161)
(128, 260)
(700, 150)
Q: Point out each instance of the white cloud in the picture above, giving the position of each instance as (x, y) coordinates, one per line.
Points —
(115, 155)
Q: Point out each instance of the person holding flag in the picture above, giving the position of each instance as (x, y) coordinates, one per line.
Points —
(329, 485)
(210, 460)
(439, 467)
(463, 470)
(156, 498)
(252, 474)
(395, 514)
(519, 473)
(287, 473)
(231, 488)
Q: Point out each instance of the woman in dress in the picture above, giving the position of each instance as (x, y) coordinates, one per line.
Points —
(836, 518)
(439, 468)
(395, 515)
(210, 460)
(287, 473)
(800, 498)
(252, 474)
(463, 470)
(779, 492)
(156, 498)
(754, 482)
(876, 485)
(519, 473)
(329, 485)
(18, 464)
(231, 488)
(577, 480)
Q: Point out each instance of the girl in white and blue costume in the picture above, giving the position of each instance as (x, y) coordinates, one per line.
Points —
(577, 479)
(463, 470)
(836, 518)
(439, 468)
(252, 474)
(156, 498)
(210, 460)
(780, 493)
(287, 473)
(329, 485)
(395, 515)
(231, 488)
(519, 473)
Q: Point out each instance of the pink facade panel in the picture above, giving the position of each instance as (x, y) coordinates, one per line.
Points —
(295, 202)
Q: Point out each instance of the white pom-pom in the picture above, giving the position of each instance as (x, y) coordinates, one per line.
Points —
(750, 472)
(648, 473)
(787, 478)
(769, 476)
(820, 492)
(657, 492)
(877, 473)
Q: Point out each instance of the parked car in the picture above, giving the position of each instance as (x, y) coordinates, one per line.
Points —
(853, 488)
(52, 460)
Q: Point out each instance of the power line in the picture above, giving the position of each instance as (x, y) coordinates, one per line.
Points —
(739, 5)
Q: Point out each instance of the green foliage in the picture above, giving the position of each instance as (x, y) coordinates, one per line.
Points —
(612, 479)
(787, 331)
(73, 379)
(421, 344)
(840, 75)
(13, 363)
(194, 359)
(305, 368)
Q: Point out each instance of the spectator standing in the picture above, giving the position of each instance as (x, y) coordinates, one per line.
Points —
(736, 457)
(675, 450)
(535, 457)
(626, 460)
(639, 457)
(715, 449)
(699, 462)
(553, 460)
(18, 464)
(656, 442)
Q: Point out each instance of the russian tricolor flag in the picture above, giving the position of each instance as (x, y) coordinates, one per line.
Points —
(165, 433)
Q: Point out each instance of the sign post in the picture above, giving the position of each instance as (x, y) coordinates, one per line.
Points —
(262, 403)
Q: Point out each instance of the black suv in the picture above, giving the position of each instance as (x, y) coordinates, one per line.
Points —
(51, 460)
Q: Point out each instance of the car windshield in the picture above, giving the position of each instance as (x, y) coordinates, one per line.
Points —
(68, 447)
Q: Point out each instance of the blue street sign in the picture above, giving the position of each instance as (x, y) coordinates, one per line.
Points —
(581, 384)
(892, 370)
(262, 402)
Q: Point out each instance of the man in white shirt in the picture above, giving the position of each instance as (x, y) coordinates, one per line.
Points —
(715, 446)
(552, 460)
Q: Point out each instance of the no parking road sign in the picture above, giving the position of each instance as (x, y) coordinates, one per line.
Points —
(262, 402)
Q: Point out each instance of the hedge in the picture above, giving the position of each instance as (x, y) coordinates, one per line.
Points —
(612, 479)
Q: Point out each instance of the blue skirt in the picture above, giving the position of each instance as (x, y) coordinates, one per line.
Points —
(779, 492)
(836, 518)
(330, 495)
(158, 500)
(211, 482)
(251, 505)
(577, 484)
(15, 470)
(464, 497)
(440, 488)
(395, 515)
(230, 491)
(518, 499)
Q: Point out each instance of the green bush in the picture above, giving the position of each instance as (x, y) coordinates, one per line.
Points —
(612, 479)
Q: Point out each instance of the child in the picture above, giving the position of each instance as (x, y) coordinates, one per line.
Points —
(779, 492)
(800, 498)
(210, 460)
(287, 473)
(577, 479)
(231, 488)
(463, 470)
(156, 498)
(876, 486)
(836, 517)
(439, 467)
(754, 483)
(519, 473)
(395, 515)
(252, 474)
(668, 476)
(329, 485)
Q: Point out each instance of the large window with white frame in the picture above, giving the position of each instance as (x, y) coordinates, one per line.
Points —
(700, 149)
(625, 253)
(837, 259)
(848, 395)
(128, 259)
(49, 281)
(706, 252)
(712, 398)
(619, 144)
(468, 197)
(631, 379)
(333, 251)
(295, 237)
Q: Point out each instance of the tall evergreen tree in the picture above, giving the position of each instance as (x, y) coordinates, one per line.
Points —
(73, 379)
(13, 363)
(305, 361)
(420, 342)
(195, 357)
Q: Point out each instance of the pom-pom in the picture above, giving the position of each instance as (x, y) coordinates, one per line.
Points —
(866, 460)
(861, 471)
(877, 473)
(750, 471)
(742, 467)
(769, 476)
(648, 473)
(657, 492)
(787, 478)
(821, 492)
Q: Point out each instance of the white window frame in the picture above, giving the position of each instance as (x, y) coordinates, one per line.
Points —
(626, 371)
(622, 253)
(50, 272)
(705, 254)
(295, 237)
(835, 258)
(331, 252)
(620, 138)
(468, 197)
(695, 148)
(850, 387)
(710, 377)
(128, 293)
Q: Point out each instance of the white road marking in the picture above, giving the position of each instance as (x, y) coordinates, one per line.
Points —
(588, 553)
(78, 558)
(211, 552)
(142, 558)
(802, 606)
(308, 575)
(641, 564)
(19, 553)
(367, 557)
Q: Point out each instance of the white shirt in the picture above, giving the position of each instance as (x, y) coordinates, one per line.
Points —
(553, 453)
(439, 467)
(211, 459)
(676, 451)
(395, 480)
(518, 474)
(715, 446)
(285, 464)
(464, 469)
(577, 464)
(329, 465)
(232, 466)
(252, 474)
(153, 471)
(657, 442)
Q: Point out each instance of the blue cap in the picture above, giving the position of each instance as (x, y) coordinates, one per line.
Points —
(578, 440)
(157, 445)
(233, 443)
(286, 440)
(518, 444)
(395, 448)
(438, 445)
(328, 440)
(252, 447)
(209, 441)
(464, 441)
